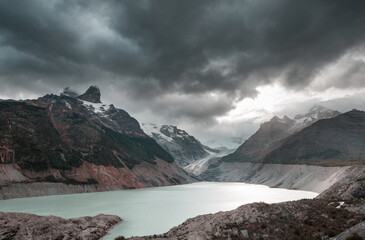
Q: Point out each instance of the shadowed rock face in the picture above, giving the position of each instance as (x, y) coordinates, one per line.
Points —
(65, 140)
(121, 121)
(316, 135)
(91, 95)
(263, 141)
(326, 142)
(24, 226)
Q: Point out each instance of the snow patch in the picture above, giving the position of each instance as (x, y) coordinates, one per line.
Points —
(341, 203)
(95, 107)
(152, 129)
(68, 105)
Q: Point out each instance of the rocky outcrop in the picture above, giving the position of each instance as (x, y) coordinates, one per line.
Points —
(356, 232)
(121, 121)
(65, 140)
(185, 148)
(22, 226)
(91, 95)
(349, 188)
(303, 219)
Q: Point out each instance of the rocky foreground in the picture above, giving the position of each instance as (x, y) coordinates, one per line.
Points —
(338, 214)
(303, 219)
(22, 226)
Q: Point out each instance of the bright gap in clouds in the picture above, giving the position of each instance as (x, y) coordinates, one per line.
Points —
(341, 79)
(273, 99)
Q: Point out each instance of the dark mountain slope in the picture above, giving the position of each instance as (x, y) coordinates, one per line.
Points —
(29, 139)
(67, 140)
(262, 142)
(328, 141)
(271, 134)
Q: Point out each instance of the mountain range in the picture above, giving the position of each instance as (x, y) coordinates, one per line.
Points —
(332, 141)
(72, 143)
(78, 141)
(310, 152)
(271, 134)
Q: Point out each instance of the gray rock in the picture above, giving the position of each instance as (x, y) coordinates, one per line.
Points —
(358, 229)
(22, 226)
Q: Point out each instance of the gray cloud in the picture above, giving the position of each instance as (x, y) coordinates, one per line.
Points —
(151, 50)
(353, 76)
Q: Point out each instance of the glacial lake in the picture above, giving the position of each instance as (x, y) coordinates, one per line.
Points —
(153, 210)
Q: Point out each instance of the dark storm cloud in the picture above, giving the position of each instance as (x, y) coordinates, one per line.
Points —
(188, 47)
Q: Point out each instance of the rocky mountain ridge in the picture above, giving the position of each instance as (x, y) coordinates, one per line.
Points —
(312, 159)
(185, 148)
(333, 141)
(67, 140)
(272, 133)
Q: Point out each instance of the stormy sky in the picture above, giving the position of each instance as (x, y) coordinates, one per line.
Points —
(215, 68)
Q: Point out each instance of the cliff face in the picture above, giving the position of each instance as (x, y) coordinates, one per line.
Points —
(63, 139)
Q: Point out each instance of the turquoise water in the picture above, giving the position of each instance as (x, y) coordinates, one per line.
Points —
(153, 210)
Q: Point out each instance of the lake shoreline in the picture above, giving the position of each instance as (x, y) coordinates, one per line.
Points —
(152, 207)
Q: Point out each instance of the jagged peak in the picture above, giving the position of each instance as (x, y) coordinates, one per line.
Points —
(315, 110)
(91, 95)
(165, 129)
(283, 119)
(274, 118)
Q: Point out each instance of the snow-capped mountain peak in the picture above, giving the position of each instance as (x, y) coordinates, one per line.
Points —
(182, 146)
(315, 113)
(96, 107)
